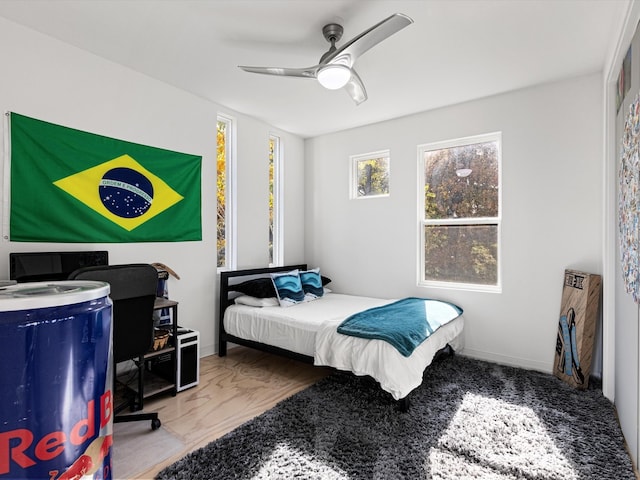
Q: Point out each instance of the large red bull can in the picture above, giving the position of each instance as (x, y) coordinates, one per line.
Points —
(56, 407)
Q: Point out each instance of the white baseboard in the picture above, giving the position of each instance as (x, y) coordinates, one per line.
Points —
(205, 351)
(506, 360)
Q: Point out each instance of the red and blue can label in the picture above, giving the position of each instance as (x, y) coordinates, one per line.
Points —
(56, 405)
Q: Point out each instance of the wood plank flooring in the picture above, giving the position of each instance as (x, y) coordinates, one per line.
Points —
(232, 390)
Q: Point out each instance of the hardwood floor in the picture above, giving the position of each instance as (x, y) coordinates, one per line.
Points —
(232, 390)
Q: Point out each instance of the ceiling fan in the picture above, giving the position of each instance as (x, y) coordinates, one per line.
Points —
(335, 68)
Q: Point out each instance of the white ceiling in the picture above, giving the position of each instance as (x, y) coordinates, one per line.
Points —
(457, 50)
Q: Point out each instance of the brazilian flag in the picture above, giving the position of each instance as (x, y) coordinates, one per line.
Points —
(71, 186)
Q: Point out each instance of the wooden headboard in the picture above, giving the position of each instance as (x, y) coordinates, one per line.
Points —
(233, 277)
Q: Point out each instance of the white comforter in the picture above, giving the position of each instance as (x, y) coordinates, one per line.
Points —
(396, 374)
(310, 329)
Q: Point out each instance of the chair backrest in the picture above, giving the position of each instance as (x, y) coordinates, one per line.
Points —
(133, 293)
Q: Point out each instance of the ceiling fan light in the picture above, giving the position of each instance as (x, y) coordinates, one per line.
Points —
(334, 76)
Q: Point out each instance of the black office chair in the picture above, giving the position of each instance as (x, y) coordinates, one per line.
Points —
(133, 292)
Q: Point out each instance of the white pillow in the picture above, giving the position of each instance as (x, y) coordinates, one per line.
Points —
(256, 302)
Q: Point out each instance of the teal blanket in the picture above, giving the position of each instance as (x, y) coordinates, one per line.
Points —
(405, 324)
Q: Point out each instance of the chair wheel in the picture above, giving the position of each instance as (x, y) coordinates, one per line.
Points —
(155, 424)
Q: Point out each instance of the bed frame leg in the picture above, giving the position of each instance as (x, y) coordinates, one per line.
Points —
(403, 404)
(222, 348)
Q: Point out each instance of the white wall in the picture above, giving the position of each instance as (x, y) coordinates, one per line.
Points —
(552, 211)
(625, 310)
(51, 81)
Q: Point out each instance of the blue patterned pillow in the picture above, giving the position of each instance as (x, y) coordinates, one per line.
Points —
(288, 287)
(311, 284)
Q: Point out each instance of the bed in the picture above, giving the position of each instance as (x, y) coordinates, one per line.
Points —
(308, 331)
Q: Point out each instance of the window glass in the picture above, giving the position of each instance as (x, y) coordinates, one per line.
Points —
(274, 201)
(462, 181)
(224, 169)
(448, 247)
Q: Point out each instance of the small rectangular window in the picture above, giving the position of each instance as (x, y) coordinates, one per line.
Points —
(370, 175)
(460, 212)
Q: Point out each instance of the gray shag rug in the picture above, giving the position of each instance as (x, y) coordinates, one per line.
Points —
(469, 420)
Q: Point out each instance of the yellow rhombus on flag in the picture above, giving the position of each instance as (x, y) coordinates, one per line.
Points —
(110, 197)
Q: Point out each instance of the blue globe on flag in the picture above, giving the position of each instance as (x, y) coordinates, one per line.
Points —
(126, 192)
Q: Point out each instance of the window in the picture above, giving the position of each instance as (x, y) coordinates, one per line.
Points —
(460, 212)
(370, 175)
(224, 192)
(275, 242)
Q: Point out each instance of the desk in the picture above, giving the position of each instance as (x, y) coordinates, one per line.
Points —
(153, 384)
(161, 303)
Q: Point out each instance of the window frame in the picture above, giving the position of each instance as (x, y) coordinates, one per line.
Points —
(230, 193)
(353, 177)
(424, 222)
(277, 247)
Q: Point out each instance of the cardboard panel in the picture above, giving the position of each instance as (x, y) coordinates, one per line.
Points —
(576, 327)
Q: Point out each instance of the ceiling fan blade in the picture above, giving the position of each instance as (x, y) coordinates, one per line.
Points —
(355, 88)
(371, 37)
(309, 72)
